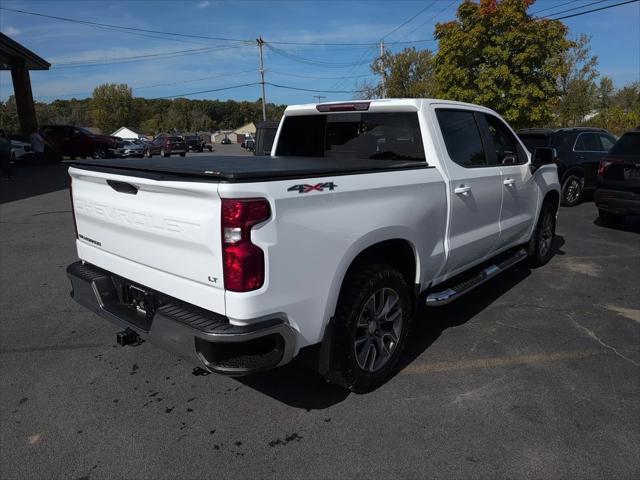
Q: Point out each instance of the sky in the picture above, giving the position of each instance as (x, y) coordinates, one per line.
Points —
(205, 64)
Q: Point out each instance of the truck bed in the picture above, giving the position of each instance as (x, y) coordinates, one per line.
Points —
(242, 169)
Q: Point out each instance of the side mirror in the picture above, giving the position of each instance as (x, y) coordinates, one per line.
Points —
(543, 156)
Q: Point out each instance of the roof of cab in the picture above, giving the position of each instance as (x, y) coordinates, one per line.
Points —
(383, 104)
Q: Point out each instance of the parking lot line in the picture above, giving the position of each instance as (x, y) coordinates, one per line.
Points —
(422, 368)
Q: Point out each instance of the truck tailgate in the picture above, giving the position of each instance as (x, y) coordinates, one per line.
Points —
(161, 234)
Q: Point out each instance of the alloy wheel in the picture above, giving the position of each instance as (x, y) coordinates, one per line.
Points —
(378, 329)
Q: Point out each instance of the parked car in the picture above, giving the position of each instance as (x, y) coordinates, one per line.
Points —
(618, 193)
(132, 148)
(20, 151)
(194, 143)
(71, 141)
(166, 145)
(250, 144)
(225, 141)
(579, 153)
(329, 247)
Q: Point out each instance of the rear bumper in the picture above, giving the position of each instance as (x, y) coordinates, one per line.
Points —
(201, 337)
(620, 202)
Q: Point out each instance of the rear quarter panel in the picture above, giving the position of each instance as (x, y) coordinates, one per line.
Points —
(313, 237)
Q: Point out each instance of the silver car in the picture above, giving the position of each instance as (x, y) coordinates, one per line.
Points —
(131, 148)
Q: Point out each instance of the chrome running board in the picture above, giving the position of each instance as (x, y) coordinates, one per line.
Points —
(437, 299)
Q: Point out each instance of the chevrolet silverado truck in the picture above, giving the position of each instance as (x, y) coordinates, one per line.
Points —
(364, 210)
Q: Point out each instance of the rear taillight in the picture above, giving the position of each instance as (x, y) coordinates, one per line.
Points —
(73, 210)
(243, 262)
(604, 164)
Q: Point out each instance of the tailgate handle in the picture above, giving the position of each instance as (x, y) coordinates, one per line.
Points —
(123, 187)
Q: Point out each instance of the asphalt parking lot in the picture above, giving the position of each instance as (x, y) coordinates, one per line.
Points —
(534, 375)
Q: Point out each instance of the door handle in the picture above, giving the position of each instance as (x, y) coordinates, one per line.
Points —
(509, 182)
(462, 190)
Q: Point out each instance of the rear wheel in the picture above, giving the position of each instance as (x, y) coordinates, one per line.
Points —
(163, 153)
(147, 153)
(572, 190)
(371, 325)
(182, 154)
(541, 243)
(100, 153)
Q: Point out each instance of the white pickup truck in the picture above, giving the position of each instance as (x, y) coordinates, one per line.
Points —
(363, 209)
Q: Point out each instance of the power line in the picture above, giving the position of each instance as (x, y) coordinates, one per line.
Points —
(276, 72)
(577, 8)
(143, 58)
(117, 59)
(596, 10)
(134, 29)
(555, 6)
(206, 91)
(288, 87)
(143, 87)
(308, 61)
(409, 20)
(433, 17)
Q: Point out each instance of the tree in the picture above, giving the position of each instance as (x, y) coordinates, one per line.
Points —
(578, 93)
(497, 55)
(409, 73)
(112, 106)
(605, 93)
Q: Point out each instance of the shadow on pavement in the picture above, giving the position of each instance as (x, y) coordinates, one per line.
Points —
(301, 387)
(33, 179)
(628, 224)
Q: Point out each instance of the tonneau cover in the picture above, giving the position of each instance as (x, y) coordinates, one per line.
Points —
(244, 169)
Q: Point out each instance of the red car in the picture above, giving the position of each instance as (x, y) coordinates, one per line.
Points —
(70, 141)
(166, 145)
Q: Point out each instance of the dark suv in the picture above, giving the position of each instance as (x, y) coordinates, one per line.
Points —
(618, 192)
(70, 141)
(166, 145)
(194, 143)
(579, 153)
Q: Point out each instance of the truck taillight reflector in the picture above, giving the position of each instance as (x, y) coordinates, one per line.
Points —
(243, 262)
(343, 107)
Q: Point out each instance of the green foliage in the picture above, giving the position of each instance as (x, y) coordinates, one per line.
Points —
(496, 55)
(623, 111)
(112, 106)
(578, 93)
(407, 74)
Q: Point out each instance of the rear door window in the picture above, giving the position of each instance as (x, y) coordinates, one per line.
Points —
(607, 141)
(462, 137)
(588, 142)
(507, 148)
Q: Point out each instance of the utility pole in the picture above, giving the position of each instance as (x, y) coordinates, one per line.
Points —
(383, 93)
(264, 100)
(319, 97)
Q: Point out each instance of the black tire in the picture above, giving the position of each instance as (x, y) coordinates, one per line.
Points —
(354, 308)
(608, 218)
(100, 153)
(147, 153)
(164, 154)
(572, 190)
(182, 154)
(540, 247)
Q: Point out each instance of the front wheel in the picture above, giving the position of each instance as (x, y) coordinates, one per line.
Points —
(370, 327)
(572, 189)
(541, 243)
(163, 153)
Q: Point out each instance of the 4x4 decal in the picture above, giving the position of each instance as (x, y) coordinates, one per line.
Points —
(306, 188)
